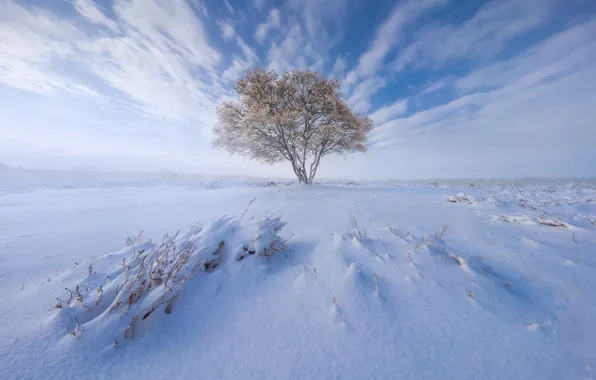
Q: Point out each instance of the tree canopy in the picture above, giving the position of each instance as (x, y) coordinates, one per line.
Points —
(298, 116)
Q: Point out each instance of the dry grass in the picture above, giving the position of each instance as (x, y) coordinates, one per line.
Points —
(551, 222)
(431, 240)
(77, 331)
(359, 233)
(162, 270)
(406, 236)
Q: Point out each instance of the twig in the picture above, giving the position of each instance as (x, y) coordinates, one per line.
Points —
(375, 287)
(77, 329)
(22, 286)
(384, 246)
(575, 279)
(399, 233)
(79, 297)
(70, 298)
(246, 209)
(289, 237)
(100, 291)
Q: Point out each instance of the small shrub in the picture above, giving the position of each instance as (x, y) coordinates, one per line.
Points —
(153, 277)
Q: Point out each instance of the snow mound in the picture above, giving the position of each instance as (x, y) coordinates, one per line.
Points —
(461, 198)
(124, 291)
(544, 220)
(393, 292)
(551, 221)
(523, 219)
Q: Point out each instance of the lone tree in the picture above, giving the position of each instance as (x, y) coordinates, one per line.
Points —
(297, 116)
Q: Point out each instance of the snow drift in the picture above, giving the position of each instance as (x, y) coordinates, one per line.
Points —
(124, 292)
(377, 282)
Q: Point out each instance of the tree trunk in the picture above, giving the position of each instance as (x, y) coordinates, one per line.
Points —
(302, 174)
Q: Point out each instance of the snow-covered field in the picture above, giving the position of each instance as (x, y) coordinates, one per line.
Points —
(378, 282)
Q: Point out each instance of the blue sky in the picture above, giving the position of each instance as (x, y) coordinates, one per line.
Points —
(456, 88)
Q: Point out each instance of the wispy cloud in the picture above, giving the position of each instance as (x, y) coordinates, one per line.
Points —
(227, 29)
(272, 23)
(387, 36)
(162, 74)
(229, 7)
(389, 112)
(482, 36)
(526, 108)
(561, 54)
(362, 92)
(32, 40)
(259, 4)
(321, 18)
(295, 50)
(89, 10)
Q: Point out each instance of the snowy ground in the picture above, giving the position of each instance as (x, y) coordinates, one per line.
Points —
(507, 290)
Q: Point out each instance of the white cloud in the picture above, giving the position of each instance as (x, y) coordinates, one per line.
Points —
(90, 10)
(481, 36)
(233, 71)
(295, 50)
(274, 17)
(389, 112)
(227, 30)
(562, 53)
(339, 66)
(31, 41)
(387, 36)
(360, 95)
(239, 64)
(162, 75)
(259, 4)
(229, 6)
(320, 16)
(272, 23)
(261, 32)
(434, 87)
(534, 115)
(390, 33)
(249, 53)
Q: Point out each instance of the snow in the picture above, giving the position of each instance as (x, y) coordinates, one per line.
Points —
(366, 281)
